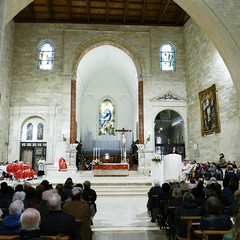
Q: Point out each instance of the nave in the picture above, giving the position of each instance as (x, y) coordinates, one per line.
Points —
(121, 205)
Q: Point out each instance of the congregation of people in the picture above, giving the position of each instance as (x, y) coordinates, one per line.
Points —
(215, 199)
(39, 212)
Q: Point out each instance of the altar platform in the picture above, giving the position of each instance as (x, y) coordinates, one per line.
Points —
(110, 169)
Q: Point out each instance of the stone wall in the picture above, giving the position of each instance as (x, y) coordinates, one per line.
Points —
(204, 68)
(6, 58)
(49, 91)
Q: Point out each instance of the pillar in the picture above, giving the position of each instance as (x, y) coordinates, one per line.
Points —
(2, 13)
(73, 112)
(140, 111)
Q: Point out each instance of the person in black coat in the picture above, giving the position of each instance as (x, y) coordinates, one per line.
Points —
(89, 195)
(153, 195)
(187, 208)
(58, 222)
(215, 219)
(30, 220)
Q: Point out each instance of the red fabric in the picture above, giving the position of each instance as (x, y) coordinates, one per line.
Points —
(109, 166)
(62, 164)
(20, 171)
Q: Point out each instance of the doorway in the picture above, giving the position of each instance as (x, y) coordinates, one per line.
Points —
(169, 133)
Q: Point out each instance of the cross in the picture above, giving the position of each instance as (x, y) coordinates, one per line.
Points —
(122, 132)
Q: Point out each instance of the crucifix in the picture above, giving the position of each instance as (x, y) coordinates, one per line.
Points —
(123, 131)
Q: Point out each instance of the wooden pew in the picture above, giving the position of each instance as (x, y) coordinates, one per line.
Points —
(6, 237)
(205, 234)
(190, 220)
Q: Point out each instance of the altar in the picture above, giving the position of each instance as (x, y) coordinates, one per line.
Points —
(110, 169)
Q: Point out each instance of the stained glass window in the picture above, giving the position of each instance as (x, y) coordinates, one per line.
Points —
(106, 118)
(167, 57)
(46, 55)
(29, 131)
(40, 131)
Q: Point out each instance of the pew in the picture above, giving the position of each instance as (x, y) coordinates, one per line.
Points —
(6, 237)
(205, 234)
(190, 220)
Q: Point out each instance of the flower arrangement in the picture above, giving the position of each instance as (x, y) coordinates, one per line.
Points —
(156, 159)
(96, 162)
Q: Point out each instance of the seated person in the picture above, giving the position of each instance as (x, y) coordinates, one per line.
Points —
(58, 222)
(30, 220)
(234, 233)
(81, 211)
(11, 223)
(152, 199)
(215, 219)
(187, 208)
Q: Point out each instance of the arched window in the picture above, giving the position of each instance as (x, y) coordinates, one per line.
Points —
(40, 131)
(29, 131)
(46, 55)
(106, 118)
(167, 57)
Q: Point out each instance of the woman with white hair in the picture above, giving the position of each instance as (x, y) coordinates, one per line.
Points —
(11, 223)
(153, 196)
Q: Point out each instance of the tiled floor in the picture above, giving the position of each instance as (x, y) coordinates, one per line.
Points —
(124, 217)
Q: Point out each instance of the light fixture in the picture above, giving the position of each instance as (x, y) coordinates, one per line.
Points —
(149, 135)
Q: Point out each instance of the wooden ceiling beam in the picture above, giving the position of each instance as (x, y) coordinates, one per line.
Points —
(69, 10)
(88, 10)
(30, 9)
(125, 11)
(50, 9)
(144, 9)
(107, 10)
(161, 13)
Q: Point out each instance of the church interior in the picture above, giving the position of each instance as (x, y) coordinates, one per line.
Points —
(120, 81)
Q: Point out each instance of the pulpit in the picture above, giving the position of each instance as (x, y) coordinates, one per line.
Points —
(172, 167)
(169, 169)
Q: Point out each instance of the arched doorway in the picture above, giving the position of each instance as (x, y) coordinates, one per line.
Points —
(33, 141)
(169, 133)
(106, 74)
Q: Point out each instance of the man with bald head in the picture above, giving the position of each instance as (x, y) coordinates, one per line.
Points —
(30, 220)
(58, 222)
(42, 207)
(81, 211)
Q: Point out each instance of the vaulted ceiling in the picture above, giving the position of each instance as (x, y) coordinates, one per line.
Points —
(120, 12)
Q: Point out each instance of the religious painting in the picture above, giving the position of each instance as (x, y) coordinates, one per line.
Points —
(29, 131)
(107, 118)
(40, 131)
(210, 122)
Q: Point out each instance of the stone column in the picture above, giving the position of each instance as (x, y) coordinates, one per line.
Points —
(2, 13)
(73, 112)
(140, 111)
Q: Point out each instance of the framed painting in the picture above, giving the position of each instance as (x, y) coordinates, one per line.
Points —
(210, 122)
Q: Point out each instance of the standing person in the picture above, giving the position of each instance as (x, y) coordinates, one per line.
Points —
(90, 196)
(222, 161)
(41, 163)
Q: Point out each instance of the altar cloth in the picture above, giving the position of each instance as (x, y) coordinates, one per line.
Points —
(110, 169)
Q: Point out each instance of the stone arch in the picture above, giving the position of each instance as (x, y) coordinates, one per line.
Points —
(109, 40)
(220, 31)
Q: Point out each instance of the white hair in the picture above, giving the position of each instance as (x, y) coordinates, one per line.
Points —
(19, 195)
(30, 219)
